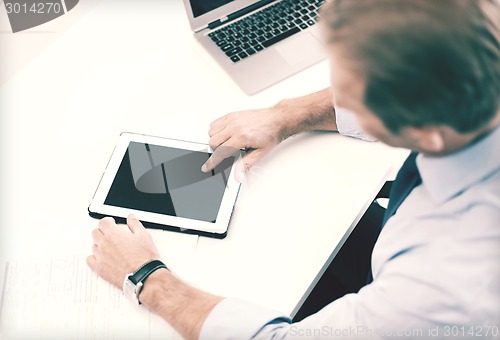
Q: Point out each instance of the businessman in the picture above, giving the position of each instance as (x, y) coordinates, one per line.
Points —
(419, 74)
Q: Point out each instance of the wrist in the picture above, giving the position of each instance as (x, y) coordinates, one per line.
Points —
(157, 283)
(290, 118)
(182, 306)
(134, 282)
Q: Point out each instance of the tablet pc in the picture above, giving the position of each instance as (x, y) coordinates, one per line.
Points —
(160, 181)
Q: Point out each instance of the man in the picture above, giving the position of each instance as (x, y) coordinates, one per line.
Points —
(419, 74)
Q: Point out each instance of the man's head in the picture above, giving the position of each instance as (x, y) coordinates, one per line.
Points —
(417, 71)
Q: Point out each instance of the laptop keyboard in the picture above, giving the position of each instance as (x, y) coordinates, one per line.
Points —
(265, 28)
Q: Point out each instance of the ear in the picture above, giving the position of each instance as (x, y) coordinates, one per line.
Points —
(428, 139)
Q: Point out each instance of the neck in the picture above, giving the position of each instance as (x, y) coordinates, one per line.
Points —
(454, 141)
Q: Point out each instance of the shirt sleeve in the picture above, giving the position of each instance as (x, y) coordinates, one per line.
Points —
(238, 319)
(347, 125)
(407, 300)
(353, 316)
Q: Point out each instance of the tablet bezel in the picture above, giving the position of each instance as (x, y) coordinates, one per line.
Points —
(99, 209)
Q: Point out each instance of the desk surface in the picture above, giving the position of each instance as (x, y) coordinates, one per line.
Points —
(134, 66)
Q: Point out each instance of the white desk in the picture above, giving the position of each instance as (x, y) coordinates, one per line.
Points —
(134, 66)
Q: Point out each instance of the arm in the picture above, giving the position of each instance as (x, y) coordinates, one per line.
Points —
(259, 131)
(119, 250)
(184, 307)
(384, 304)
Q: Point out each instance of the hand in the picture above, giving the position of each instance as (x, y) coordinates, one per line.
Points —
(120, 249)
(257, 131)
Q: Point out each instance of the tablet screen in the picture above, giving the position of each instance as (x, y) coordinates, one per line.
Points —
(169, 181)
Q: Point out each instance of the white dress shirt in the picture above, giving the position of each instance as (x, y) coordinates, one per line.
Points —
(436, 264)
(347, 125)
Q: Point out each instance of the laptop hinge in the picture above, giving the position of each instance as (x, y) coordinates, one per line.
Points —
(238, 14)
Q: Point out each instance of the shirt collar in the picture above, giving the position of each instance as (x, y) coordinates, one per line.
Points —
(444, 177)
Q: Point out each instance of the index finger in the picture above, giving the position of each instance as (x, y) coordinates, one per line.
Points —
(221, 153)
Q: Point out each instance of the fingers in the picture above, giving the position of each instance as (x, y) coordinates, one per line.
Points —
(97, 235)
(91, 262)
(106, 223)
(219, 138)
(217, 125)
(221, 153)
(252, 157)
(239, 171)
(246, 163)
(134, 224)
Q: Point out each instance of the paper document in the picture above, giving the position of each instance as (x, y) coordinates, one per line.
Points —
(61, 298)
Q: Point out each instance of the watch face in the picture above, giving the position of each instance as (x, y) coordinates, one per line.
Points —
(129, 290)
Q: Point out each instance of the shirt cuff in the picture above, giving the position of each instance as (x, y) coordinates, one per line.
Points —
(225, 321)
(347, 125)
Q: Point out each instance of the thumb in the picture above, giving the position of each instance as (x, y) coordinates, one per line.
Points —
(134, 224)
(246, 163)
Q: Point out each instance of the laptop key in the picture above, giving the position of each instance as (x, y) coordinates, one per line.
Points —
(227, 47)
(235, 58)
(222, 43)
(251, 51)
(280, 37)
(243, 55)
(233, 51)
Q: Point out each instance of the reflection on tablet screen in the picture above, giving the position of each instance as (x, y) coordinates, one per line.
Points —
(169, 181)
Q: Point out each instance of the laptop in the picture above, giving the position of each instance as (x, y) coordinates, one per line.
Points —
(258, 43)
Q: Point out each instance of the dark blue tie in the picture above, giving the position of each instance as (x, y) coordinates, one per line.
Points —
(408, 178)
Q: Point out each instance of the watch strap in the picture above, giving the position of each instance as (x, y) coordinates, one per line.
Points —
(141, 274)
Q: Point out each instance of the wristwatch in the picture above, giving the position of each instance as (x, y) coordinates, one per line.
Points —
(134, 282)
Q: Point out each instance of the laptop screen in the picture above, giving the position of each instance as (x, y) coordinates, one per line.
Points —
(201, 7)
